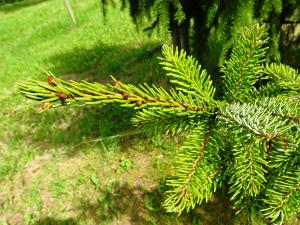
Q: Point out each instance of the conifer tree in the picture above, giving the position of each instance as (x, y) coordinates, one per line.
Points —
(210, 28)
(247, 139)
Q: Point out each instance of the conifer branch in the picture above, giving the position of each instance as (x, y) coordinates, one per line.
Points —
(197, 167)
(270, 90)
(281, 107)
(251, 137)
(197, 161)
(243, 69)
(187, 75)
(253, 119)
(61, 92)
(282, 196)
(284, 152)
(248, 169)
(212, 12)
(166, 120)
(283, 74)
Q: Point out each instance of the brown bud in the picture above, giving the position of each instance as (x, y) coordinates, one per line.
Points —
(44, 106)
(284, 143)
(138, 103)
(282, 140)
(268, 146)
(61, 96)
(117, 84)
(125, 95)
(51, 81)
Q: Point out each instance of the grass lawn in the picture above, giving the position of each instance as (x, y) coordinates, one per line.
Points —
(81, 165)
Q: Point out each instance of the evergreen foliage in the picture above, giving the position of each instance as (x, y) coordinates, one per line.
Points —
(213, 26)
(246, 139)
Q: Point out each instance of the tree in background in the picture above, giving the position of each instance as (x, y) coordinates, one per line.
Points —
(245, 142)
(213, 26)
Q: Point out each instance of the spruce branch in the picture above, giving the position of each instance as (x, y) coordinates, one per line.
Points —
(270, 90)
(196, 168)
(161, 8)
(179, 15)
(243, 69)
(249, 140)
(188, 76)
(166, 120)
(282, 81)
(247, 172)
(284, 152)
(253, 119)
(212, 13)
(282, 196)
(283, 74)
(281, 107)
(79, 93)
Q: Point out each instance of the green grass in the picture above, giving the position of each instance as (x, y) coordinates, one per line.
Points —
(81, 165)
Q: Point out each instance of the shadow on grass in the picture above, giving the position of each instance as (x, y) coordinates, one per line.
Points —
(11, 6)
(134, 63)
(119, 203)
(72, 128)
(137, 206)
(52, 221)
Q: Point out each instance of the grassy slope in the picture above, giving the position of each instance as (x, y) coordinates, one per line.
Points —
(50, 172)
